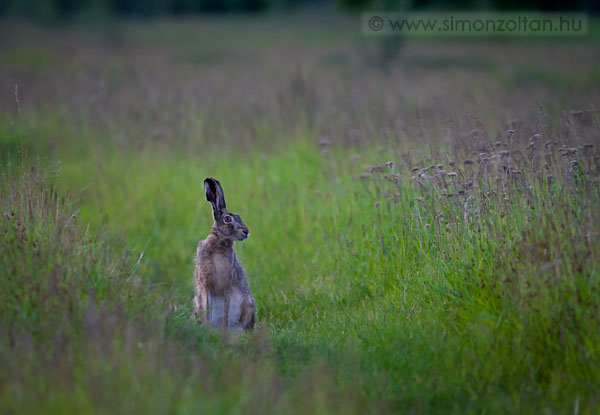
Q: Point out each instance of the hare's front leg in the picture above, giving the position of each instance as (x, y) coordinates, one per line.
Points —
(226, 305)
(201, 305)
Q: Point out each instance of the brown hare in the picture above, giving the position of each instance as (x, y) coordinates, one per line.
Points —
(223, 297)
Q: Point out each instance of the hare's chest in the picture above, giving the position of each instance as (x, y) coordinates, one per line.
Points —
(222, 268)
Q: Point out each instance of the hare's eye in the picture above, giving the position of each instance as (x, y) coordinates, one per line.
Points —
(227, 219)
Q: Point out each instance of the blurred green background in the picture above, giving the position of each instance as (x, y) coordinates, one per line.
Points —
(423, 211)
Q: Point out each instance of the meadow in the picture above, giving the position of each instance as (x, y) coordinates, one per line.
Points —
(423, 213)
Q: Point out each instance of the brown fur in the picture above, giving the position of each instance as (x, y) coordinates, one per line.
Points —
(219, 275)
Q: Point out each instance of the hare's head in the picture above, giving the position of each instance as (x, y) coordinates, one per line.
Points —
(227, 225)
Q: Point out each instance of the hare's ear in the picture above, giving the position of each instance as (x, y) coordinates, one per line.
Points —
(214, 194)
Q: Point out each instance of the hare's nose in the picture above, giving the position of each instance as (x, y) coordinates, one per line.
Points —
(246, 232)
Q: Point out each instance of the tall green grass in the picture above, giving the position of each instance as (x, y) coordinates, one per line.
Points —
(404, 286)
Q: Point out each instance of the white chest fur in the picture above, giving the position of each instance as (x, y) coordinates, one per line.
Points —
(217, 310)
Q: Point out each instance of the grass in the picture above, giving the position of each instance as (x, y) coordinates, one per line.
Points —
(409, 254)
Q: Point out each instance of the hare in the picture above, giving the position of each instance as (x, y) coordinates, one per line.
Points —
(222, 297)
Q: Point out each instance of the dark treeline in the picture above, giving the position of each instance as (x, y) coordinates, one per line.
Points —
(140, 8)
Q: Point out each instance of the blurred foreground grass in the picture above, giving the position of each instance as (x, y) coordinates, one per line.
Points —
(424, 237)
